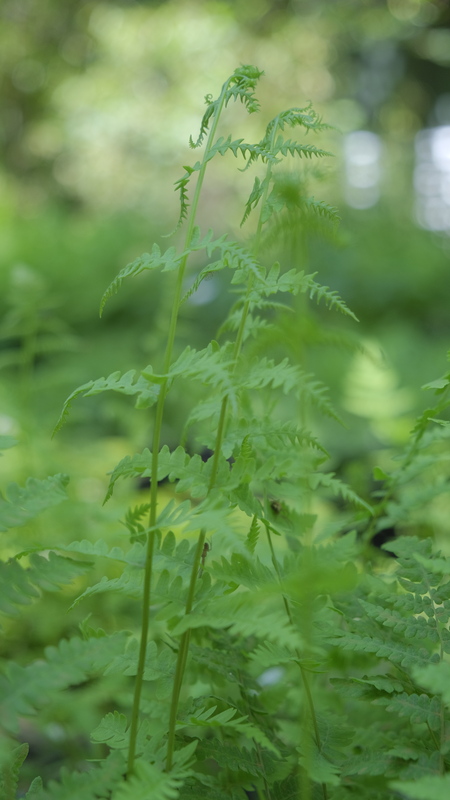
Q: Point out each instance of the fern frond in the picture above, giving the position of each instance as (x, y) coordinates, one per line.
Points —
(25, 689)
(100, 549)
(147, 261)
(19, 585)
(191, 472)
(170, 259)
(212, 106)
(286, 146)
(435, 678)
(254, 198)
(112, 730)
(419, 709)
(253, 535)
(303, 117)
(268, 432)
(10, 771)
(331, 298)
(244, 614)
(321, 209)
(424, 787)
(181, 186)
(412, 627)
(150, 780)
(339, 488)
(147, 394)
(229, 756)
(97, 783)
(396, 651)
(242, 571)
(25, 503)
(159, 666)
(210, 366)
(241, 86)
(227, 719)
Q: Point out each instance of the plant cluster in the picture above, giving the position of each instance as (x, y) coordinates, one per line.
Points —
(269, 662)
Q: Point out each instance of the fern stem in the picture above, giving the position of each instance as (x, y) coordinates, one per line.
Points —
(157, 438)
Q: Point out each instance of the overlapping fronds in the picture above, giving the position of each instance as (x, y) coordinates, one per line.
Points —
(25, 689)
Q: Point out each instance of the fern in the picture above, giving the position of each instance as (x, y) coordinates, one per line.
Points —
(263, 653)
(25, 689)
(23, 504)
(127, 384)
(19, 585)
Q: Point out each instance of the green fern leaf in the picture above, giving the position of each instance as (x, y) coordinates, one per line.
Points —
(435, 678)
(135, 556)
(96, 783)
(254, 198)
(19, 585)
(253, 535)
(286, 146)
(433, 787)
(229, 756)
(23, 504)
(245, 614)
(159, 666)
(411, 627)
(371, 763)
(293, 117)
(331, 298)
(150, 781)
(112, 731)
(35, 792)
(328, 481)
(208, 365)
(147, 393)
(148, 261)
(417, 708)
(242, 571)
(227, 719)
(9, 772)
(25, 689)
(320, 770)
(396, 651)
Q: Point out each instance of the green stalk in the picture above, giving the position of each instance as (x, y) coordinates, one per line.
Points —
(157, 438)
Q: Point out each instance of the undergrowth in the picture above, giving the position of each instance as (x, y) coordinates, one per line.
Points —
(270, 659)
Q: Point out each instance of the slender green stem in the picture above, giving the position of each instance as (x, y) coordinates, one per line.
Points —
(157, 438)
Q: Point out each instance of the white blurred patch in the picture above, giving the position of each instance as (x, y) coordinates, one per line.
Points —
(432, 178)
(271, 676)
(362, 156)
